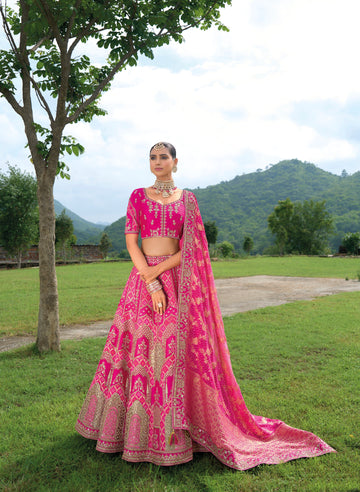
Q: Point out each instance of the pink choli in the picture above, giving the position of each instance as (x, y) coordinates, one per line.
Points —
(153, 219)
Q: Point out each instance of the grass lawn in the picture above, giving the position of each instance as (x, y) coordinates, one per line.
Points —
(87, 292)
(292, 266)
(298, 362)
(91, 292)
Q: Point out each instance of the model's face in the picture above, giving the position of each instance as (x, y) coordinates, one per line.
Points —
(161, 163)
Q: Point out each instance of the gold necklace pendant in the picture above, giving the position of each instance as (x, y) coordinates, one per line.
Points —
(166, 188)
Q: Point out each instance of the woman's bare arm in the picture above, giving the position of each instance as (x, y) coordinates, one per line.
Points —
(135, 252)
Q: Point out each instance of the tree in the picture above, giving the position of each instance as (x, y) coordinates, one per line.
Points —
(18, 212)
(311, 226)
(351, 241)
(248, 244)
(45, 65)
(64, 229)
(280, 223)
(226, 249)
(105, 244)
(211, 231)
(303, 227)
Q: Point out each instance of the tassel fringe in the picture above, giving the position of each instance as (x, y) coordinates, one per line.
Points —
(173, 439)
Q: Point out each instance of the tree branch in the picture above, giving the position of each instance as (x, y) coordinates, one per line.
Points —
(65, 64)
(100, 87)
(43, 5)
(25, 74)
(28, 80)
(86, 31)
(22, 57)
(39, 43)
(41, 99)
(12, 101)
(195, 24)
(72, 20)
(7, 30)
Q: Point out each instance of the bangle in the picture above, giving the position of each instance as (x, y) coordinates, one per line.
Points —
(154, 286)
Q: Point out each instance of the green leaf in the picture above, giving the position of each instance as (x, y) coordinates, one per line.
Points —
(76, 150)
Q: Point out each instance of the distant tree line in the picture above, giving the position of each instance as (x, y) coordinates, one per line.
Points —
(19, 217)
(299, 227)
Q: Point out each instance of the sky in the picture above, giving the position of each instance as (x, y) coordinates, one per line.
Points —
(284, 83)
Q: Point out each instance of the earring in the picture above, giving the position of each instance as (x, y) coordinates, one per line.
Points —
(174, 169)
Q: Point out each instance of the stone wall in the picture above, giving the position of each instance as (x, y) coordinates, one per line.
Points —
(79, 252)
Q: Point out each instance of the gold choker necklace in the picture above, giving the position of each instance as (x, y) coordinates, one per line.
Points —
(166, 188)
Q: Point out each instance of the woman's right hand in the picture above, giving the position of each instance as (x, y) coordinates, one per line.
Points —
(149, 273)
(158, 298)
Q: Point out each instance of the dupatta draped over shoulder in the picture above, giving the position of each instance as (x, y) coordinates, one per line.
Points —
(207, 400)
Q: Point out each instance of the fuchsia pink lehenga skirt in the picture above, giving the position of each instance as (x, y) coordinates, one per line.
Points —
(128, 406)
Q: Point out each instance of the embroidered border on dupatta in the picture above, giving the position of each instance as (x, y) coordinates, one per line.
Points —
(179, 418)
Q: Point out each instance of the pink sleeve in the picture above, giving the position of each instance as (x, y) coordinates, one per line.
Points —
(132, 215)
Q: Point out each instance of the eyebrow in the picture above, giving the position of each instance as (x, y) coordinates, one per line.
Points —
(158, 154)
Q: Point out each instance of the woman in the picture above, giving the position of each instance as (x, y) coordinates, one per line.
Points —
(164, 387)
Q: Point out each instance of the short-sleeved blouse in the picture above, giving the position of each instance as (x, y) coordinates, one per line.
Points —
(153, 219)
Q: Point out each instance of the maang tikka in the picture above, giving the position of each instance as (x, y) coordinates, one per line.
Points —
(159, 146)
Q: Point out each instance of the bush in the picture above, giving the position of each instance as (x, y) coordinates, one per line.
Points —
(226, 249)
(124, 254)
(351, 242)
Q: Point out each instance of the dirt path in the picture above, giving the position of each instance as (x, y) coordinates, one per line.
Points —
(236, 295)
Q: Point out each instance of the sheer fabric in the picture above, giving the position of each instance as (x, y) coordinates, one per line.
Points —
(207, 399)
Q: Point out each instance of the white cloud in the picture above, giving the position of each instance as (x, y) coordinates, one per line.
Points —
(228, 101)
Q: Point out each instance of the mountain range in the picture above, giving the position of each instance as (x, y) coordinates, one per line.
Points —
(240, 207)
(86, 232)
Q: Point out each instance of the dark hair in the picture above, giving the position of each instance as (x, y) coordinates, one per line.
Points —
(169, 147)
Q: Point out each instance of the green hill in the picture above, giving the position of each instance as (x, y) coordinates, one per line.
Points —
(241, 206)
(86, 232)
(115, 231)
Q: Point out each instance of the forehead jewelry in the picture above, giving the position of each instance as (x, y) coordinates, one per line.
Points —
(159, 146)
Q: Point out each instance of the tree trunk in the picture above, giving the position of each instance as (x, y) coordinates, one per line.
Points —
(48, 335)
(19, 259)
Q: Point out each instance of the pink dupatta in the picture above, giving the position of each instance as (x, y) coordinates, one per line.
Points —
(207, 400)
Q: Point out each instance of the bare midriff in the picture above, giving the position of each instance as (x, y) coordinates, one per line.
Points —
(159, 246)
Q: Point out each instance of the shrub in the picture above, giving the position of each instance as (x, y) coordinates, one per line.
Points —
(226, 249)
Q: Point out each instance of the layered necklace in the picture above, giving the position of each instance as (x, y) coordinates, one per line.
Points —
(166, 188)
